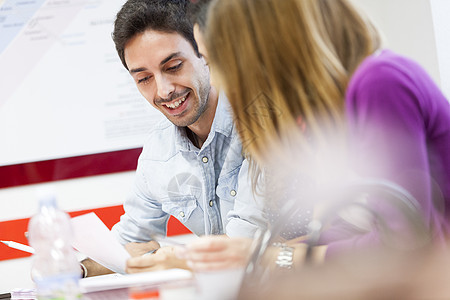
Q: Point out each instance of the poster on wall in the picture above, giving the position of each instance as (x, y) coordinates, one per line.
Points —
(64, 92)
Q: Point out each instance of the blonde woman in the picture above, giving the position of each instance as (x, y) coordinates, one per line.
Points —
(301, 71)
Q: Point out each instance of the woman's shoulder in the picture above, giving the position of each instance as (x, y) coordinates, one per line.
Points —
(387, 73)
(386, 67)
(395, 87)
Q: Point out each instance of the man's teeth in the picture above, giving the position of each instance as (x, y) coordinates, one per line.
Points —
(176, 103)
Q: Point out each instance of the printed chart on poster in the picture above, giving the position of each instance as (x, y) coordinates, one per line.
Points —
(64, 91)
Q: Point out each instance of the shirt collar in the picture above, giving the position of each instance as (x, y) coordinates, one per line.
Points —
(223, 119)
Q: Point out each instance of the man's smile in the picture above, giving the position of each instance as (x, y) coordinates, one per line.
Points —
(176, 103)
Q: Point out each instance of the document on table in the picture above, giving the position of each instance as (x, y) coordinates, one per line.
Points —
(116, 281)
(96, 241)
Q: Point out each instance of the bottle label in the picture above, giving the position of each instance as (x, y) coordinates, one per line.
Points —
(58, 287)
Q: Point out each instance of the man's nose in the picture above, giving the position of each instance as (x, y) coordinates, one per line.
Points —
(165, 87)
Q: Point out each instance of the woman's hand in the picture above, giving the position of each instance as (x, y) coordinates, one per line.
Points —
(164, 258)
(216, 252)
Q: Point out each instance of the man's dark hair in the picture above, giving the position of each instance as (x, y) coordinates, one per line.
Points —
(198, 12)
(137, 16)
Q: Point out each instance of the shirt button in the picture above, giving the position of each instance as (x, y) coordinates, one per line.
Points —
(211, 203)
(233, 193)
(181, 214)
(205, 159)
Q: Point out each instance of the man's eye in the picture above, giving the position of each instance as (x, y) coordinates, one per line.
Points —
(144, 80)
(175, 68)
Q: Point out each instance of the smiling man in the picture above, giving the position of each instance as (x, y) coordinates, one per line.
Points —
(174, 79)
(190, 166)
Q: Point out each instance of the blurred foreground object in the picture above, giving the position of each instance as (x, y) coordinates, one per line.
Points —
(368, 275)
(55, 268)
(404, 246)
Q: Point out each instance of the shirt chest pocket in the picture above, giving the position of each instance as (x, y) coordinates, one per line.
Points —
(227, 186)
(181, 208)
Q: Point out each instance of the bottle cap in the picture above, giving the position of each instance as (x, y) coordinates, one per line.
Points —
(46, 196)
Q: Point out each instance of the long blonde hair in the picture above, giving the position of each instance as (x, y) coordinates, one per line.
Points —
(285, 62)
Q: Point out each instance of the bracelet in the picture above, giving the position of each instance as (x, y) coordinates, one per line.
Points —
(285, 256)
(84, 272)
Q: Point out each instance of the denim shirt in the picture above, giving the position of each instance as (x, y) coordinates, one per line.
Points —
(197, 186)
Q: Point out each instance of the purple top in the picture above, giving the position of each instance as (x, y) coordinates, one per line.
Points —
(399, 124)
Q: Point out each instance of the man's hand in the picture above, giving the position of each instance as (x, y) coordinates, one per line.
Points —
(138, 249)
(93, 268)
(164, 258)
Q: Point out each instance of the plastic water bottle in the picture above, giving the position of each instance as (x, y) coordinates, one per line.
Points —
(55, 268)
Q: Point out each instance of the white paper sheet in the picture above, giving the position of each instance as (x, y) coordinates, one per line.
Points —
(94, 239)
(115, 281)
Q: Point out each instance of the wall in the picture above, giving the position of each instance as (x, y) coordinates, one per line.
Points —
(408, 29)
(441, 10)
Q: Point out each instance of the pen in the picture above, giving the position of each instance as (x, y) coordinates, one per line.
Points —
(18, 246)
(164, 241)
(5, 296)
